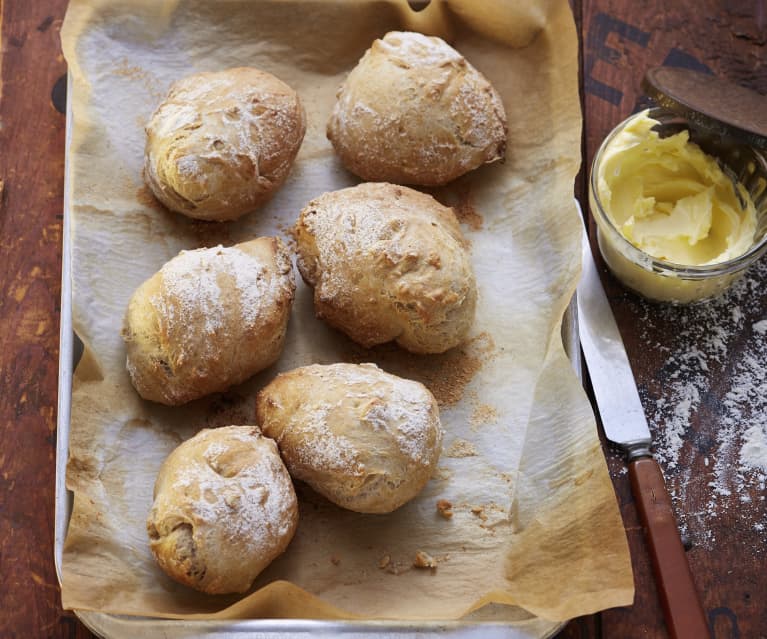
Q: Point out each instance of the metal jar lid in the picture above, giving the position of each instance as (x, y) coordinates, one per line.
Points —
(710, 103)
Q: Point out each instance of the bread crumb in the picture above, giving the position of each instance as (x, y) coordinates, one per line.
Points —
(335, 560)
(442, 473)
(394, 567)
(465, 211)
(424, 560)
(461, 448)
(479, 511)
(384, 561)
(460, 200)
(483, 414)
(446, 375)
(445, 508)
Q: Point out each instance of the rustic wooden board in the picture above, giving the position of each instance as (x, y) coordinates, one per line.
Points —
(31, 187)
(620, 40)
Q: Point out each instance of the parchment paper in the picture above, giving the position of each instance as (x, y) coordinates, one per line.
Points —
(536, 525)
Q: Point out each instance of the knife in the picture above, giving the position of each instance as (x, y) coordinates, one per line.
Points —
(624, 423)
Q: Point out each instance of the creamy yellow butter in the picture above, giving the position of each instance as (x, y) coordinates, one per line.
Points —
(671, 200)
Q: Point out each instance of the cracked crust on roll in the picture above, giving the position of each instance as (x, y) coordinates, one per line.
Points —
(414, 111)
(366, 440)
(224, 508)
(209, 319)
(221, 143)
(388, 263)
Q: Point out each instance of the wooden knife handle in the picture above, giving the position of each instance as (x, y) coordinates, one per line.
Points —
(681, 605)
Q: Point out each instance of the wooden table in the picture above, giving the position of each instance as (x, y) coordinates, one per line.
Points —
(726, 533)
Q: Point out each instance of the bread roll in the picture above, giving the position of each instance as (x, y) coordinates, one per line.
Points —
(209, 319)
(414, 111)
(388, 263)
(222, 143)
(224, 508)
(366, 440)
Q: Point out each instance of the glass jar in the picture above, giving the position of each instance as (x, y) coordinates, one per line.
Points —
(662, 280)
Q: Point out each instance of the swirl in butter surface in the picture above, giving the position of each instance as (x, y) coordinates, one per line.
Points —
(671, 200)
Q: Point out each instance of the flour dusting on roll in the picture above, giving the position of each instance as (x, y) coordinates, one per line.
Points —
(222, 143)
(414, 111)
(366, 440)
(388, 263)
(209, 319)
(224, 508)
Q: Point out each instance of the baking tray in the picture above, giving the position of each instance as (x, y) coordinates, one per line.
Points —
(119, 626)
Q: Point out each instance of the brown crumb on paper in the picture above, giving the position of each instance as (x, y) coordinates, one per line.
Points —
(446, 375)
(392, 567)
(443, 473)
(145, 197)
(458, 197)
(227, 408)
(445, 508)
(483, 414)
(124, 68)
(479, 511)
(424, 560)
(465, 211)
(335, 560)
(461, 448)
(448, 387)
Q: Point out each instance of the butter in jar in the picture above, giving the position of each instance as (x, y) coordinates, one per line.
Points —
(671, 200)
(674, 222)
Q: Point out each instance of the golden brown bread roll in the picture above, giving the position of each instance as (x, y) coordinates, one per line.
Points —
(366, 440)
(414, 111)
(209, 319)
(224, 508)
(388, 263)
(222, 143)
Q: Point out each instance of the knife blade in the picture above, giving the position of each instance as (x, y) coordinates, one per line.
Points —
(623, 417)
(625, 424)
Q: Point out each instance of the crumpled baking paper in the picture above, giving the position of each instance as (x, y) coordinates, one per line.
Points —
(536, 526)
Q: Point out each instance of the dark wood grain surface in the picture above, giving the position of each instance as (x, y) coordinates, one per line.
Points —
(620, 38)
(727, 549)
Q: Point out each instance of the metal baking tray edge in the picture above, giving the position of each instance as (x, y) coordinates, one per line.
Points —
(119, 626)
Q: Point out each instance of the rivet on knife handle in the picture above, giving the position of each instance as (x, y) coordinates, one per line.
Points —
(681, 607)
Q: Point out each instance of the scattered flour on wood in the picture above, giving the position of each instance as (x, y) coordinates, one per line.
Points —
(719, 344)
